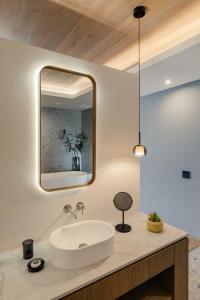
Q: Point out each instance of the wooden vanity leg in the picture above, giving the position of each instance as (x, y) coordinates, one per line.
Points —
(181, 270)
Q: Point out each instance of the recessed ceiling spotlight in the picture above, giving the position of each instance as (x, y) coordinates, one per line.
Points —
(168, 81)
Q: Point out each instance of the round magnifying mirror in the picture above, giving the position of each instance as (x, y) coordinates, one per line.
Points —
(123, 202)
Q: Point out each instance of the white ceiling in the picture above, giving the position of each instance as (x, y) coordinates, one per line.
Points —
(60, 102)
(178, 65)
(63, 83)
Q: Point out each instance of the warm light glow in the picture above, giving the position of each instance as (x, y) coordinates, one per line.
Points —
(168, 81)
(139, 150)
(162, 38)
(36, 88)
(59, 85)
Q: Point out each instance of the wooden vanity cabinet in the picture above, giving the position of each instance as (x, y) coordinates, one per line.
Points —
(162, 275)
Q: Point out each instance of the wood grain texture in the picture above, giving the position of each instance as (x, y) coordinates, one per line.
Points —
(148, 291)
(119, 283)
(100, 31)
(162, 275)
(181, 270)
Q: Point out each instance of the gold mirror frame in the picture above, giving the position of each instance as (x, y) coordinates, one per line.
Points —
(93, 124)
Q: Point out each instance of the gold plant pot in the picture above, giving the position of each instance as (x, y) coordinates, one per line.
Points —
(155, 226)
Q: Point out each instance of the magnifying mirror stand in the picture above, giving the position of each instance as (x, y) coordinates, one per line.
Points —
(123, 227)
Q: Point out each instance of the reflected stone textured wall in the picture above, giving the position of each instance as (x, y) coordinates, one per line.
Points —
(54, 157)
(87, 126)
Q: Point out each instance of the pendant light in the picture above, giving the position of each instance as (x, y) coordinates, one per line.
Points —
(139, 150)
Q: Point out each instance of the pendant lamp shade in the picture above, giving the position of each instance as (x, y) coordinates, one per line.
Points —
(139, 150)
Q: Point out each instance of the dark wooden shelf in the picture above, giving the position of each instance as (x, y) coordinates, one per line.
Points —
(149, 291)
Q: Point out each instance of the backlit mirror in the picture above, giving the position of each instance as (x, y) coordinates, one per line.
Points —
(67, 129)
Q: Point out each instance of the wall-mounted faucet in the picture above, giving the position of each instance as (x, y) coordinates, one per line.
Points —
(79, 207)
(68, 209)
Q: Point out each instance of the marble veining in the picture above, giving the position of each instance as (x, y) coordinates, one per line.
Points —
(52, 283)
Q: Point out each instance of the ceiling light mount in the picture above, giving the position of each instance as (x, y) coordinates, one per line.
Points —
(139, 12)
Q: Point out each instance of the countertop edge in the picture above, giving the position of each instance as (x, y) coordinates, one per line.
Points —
(118, 268)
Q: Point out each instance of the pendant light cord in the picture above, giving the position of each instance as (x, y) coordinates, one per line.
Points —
(139, 76)
(139, 150)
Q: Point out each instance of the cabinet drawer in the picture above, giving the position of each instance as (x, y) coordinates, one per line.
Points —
(122, 281)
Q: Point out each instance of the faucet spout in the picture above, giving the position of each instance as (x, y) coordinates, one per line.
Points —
(68, 209)
(74, 215)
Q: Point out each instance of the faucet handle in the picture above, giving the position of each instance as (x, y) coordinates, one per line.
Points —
(67, 208)
(80, 206)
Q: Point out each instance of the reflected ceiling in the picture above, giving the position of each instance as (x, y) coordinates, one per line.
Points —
(56, 83)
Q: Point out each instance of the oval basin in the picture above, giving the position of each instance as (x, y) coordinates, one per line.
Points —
(81, 244)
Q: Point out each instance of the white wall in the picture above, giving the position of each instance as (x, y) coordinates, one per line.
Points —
(26, 211)
(170, 130)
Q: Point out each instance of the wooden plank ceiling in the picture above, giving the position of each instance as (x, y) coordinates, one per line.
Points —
(100, 31)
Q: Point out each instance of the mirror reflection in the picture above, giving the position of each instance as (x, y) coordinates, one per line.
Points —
(67, 135)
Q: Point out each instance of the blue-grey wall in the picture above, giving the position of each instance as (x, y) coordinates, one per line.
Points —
(171, 131)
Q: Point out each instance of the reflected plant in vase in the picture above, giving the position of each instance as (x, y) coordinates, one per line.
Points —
(74, 144)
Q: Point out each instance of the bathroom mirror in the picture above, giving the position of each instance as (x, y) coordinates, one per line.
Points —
(67, 129)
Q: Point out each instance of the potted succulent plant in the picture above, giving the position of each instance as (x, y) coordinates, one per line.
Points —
(154, 223)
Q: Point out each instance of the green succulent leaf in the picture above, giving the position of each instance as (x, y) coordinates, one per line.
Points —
(154, 217)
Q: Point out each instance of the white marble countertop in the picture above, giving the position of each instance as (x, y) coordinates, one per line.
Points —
(52, 283)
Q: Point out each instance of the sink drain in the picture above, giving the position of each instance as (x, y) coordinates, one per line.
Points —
(82, 245)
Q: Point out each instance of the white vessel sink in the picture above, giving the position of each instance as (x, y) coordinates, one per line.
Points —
(81, 244)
